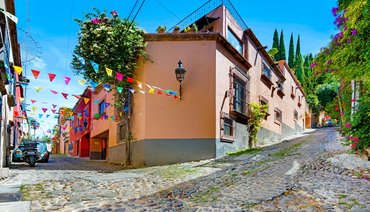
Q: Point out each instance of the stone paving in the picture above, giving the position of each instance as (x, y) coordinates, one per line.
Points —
(308, 173)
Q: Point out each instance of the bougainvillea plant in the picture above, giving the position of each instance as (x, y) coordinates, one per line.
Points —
(111, 42)
(346, 59)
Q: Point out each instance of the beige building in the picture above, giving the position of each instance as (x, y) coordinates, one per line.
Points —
(226, 69)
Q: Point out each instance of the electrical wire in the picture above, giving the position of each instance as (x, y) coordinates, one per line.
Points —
(128, 17)
(68, 42)
(168, 10)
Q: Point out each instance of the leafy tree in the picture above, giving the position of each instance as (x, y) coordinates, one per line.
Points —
(282, 54)
(272, 52)
(276, 44)
(291, 52)
(327, 92)
(114, 43)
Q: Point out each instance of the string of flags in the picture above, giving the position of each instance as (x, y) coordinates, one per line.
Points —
(118, 76)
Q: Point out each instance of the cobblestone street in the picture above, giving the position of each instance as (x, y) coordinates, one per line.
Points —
(310, 173)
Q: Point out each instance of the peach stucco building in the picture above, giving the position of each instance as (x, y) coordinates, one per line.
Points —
(227, 68)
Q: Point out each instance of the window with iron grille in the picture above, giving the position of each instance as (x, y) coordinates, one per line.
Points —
(228, 127)
(278, 116)
(239, 96)
(122, 131)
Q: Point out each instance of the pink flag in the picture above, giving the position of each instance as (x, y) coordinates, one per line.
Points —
(65, 95)
(54, 111)
(54, 106)
(119, 76)
(77, 97)
(67, 79)
(33, 101)
(51, 76)
(54, 92)
(44, 109)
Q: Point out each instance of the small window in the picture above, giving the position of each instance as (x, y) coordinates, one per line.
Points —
(266, 70)
(234, 41)
(293, 93)
(295, 115)
(102, 107)
(278, 116)
(228, 127)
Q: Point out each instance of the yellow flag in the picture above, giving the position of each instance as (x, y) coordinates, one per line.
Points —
(38, 89)
(71, 113)
(151, 90)
(21, 99)
(109, 71)
(81, 81)
(18, 69)
(34, 108)
(80, 117)
(86, 100)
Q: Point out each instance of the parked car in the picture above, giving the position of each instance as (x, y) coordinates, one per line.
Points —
(42, 149)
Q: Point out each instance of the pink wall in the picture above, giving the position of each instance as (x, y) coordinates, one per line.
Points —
(162, 117)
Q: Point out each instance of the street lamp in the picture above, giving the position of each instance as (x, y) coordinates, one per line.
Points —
(180, 74)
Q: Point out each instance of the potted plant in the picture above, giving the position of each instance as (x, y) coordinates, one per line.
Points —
(161, 29)
(194, 27)
(176, 29)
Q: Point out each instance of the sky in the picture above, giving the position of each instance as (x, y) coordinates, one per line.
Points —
(50, 25)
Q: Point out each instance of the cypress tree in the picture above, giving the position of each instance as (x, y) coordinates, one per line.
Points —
(282, 47)
(291, 52)
(298, 55)
(275, 44)
(299, 71)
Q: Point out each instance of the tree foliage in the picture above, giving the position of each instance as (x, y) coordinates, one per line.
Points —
(346, 58)
(282, 54)
(276, 44)
(113, 43)
(258, 113)
(291, 55)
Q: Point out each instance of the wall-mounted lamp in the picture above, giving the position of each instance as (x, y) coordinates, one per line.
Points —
(180, 74)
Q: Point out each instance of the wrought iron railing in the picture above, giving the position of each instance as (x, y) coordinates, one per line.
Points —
(207, 8)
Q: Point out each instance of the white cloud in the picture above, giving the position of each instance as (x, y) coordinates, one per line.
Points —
(39, 64)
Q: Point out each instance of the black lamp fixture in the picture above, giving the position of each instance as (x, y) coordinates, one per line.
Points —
(180, 74)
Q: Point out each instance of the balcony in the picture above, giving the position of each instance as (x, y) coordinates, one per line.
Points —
(240, 111)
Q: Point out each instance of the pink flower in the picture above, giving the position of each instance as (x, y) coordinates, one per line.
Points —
(114, 13)
(347, 125)
(313, 65)
(95, 21)
(353, 145)
(329, 62)
(354, 32)
(341, 114)
(355, 139)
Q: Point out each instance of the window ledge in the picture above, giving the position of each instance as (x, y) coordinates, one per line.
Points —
(227, 139)
(267, 81)
(292, 95)
(280, 93)
(240, 117)
(299, 104)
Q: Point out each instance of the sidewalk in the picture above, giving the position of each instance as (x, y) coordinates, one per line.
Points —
(10, 196)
